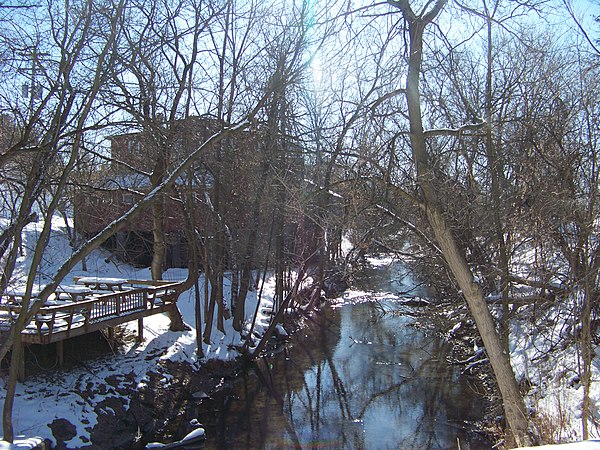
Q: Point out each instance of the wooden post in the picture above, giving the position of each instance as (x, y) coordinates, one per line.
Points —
(60, 351)
(140, 337)
(111, 337)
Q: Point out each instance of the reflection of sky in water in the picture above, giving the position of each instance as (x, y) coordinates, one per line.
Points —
(355, 379)
(391, 277)
(385, 384)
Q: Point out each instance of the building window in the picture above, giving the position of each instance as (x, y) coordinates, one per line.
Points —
(134, 146)
(128, 198)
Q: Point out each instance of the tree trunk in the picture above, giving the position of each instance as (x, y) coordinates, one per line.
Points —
(198, 311)
(177, 323)
(586, 352)
(158, 234)
(239, 312)
(209, 312)
(222, 312)
(588, 289)
(11, 386)
(514, 407)
(496, 170)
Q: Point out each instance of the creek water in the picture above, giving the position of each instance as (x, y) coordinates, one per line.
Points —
(360, 375)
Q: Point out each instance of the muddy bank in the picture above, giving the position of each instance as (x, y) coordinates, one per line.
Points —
(130, 412)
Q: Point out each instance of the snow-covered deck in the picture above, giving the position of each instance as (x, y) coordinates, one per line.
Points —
(90, 308)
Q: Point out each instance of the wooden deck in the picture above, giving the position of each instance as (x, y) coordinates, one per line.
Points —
(61, 318)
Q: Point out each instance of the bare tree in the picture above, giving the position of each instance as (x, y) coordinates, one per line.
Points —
(156, 75)
(516, 414)
(68, 111)
(561, 177)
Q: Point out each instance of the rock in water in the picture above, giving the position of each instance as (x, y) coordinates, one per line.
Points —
(194, 437)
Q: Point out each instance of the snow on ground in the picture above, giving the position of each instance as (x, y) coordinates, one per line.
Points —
(549, 360)
(584, 445)
(55, 395)
(21, 443)
(382, 261)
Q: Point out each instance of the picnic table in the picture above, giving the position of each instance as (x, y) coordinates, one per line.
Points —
(72, 292)
(102, 283)
(16, 295)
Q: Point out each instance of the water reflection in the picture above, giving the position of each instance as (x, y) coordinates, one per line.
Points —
(356, 378)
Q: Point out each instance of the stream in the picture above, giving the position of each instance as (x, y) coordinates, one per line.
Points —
(360, 375)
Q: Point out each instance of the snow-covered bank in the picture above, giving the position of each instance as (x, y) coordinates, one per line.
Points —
(544, 354)
(51, 401)
(583, 445)
(65, 405)
(546, 360)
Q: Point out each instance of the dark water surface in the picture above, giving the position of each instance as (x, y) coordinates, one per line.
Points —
(358, 377)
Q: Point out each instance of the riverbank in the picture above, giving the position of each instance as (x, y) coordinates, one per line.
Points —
(545, 368)
(128, 395)
(545, 353)
(453, 324)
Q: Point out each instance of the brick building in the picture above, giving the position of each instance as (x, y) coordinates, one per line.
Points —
(236, 165)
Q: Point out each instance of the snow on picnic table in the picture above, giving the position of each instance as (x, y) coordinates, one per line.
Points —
(56, 394)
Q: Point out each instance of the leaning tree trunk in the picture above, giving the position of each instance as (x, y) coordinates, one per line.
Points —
(514, 407)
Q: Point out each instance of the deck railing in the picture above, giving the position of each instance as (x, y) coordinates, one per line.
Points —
(118, 303)
(95, 309)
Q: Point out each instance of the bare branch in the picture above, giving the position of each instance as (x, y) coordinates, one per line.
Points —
(585, 34)
(386, 97)
(455, 131)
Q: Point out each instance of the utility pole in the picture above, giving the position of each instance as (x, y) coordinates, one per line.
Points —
(31, 90)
